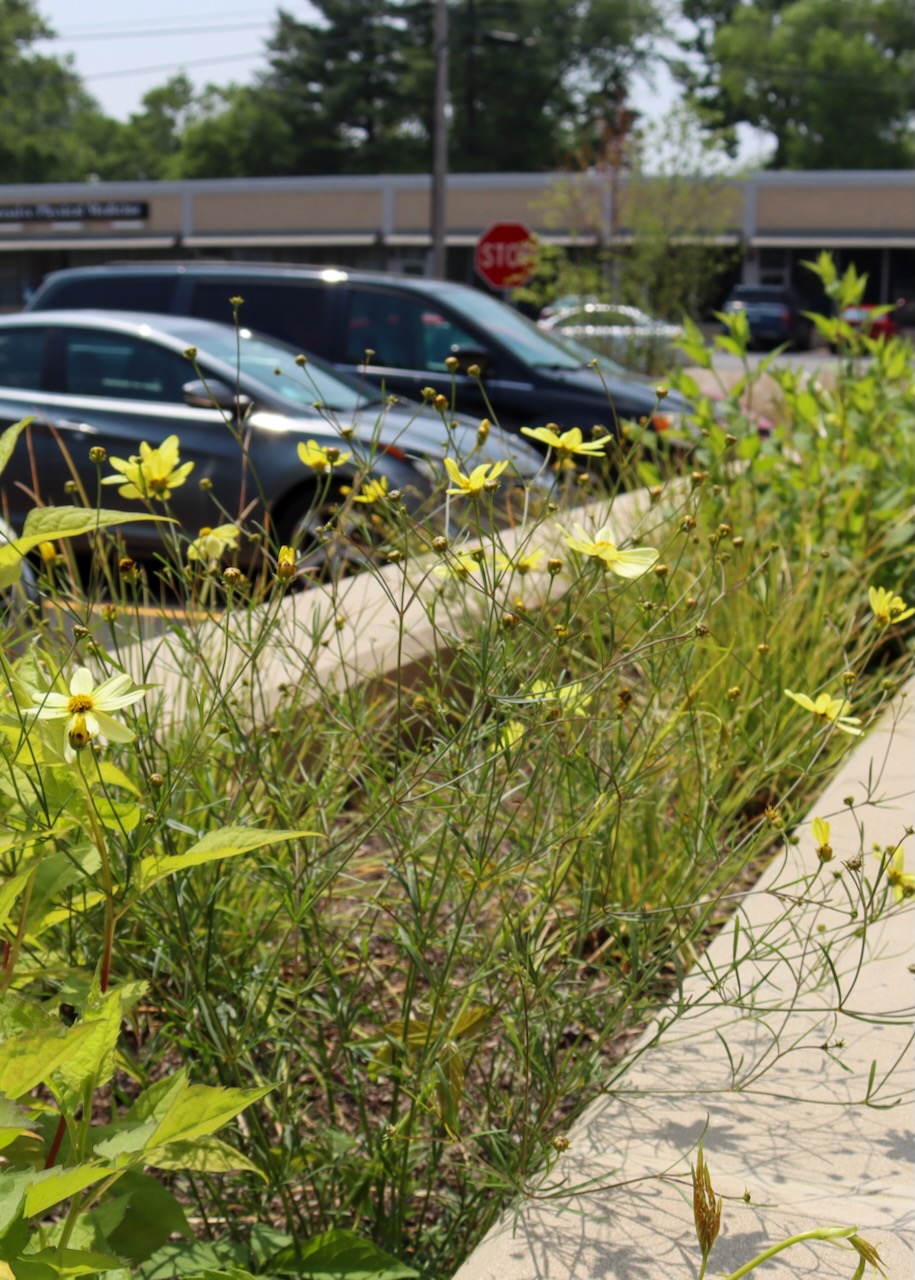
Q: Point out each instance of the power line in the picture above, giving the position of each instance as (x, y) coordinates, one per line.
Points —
(152, 33)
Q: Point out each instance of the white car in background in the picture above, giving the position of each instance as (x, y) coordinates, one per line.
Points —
(623, 332)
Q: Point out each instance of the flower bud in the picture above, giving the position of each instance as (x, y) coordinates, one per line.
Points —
(78, 734)
(285, 564)
(97, 453)
(451, 364)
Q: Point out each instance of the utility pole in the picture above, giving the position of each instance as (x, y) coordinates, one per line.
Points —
(438, 259)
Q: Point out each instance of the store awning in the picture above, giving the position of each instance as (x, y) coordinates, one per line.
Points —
(292, 240)
(22, 244)
(806, 241)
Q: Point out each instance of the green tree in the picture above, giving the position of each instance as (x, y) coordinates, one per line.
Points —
(352, 90)
(832, 80)
(48, 122)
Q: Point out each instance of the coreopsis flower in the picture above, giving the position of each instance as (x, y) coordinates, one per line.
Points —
(153, 473)
(372, 490)
(481, 478)
(462, 565)
(510, 733)
(631, 563)
(829, 710)
(566, 444)
(520, 564)
(571, 697)
(902, 882)
(887, 607)
(213, 543)
(820, 829)
(319, 458)
(86, 709)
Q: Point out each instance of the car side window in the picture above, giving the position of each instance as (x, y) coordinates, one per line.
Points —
(21, 356)
(402, 332)
(121, 366)
(125, 292)
(293, 312)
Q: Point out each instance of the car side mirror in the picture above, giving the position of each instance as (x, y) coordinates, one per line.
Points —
(467, 356)
(214, 394)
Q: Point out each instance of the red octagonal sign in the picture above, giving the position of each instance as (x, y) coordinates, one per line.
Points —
(506, 255)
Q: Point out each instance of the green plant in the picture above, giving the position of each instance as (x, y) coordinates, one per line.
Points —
(401, 920)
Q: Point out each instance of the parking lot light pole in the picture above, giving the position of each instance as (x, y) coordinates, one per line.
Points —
(438, 261)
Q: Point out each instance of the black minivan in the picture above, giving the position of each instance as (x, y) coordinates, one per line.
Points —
(395, 331)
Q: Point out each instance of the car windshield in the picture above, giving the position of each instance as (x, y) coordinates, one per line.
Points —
(274, 365)
(522, 337)
(587, 355)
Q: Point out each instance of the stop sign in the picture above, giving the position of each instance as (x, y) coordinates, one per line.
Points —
(506, 255)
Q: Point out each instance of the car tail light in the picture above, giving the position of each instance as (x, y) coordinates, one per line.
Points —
(786, 317)
(393, 452)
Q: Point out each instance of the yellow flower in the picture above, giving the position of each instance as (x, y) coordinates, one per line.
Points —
(901, 881)
(510, 733)
(888, 608)
(566, 444)
(571, 697)
(86, 708)
(482, 477)
(285, 564)
(462, 565)
(151, 474)
(372, 490)
(625, 564)
(521, 564)
(320, 459)
(820, 829)
(213, 542)
(829, 709)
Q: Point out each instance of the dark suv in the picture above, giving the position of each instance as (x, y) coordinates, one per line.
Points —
(775, 314)
(396, 331)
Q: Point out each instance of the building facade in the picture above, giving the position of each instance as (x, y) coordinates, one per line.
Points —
(773, 221)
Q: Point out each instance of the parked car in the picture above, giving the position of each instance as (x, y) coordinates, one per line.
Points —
(775, 315)
(91, 378)
(871, 321)
(638, 340)
(395, 331)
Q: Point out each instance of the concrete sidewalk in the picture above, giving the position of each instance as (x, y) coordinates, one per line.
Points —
(772, 1072)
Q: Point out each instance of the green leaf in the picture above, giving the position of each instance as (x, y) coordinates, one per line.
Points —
(51, 1186)
(48, 524)
(204, 1155)
(58, 1264)
(197, 1259)
(13, 1121)
(91, 1065)
(201, 1109)
(29, 1059)
(8, 441)
(10, 891)
(118, 815)
(340, 1255)
(152, 1215)
(228, 842)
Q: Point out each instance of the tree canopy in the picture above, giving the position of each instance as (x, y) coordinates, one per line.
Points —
(832, 80)
(47, 120)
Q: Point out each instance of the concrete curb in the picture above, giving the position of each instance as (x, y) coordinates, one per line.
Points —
(796, 1135)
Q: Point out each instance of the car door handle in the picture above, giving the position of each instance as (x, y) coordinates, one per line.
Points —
(66, 424)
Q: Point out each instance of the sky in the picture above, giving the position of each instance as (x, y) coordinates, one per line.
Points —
(121, 54)
(122, 57)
